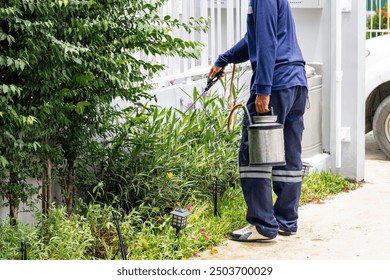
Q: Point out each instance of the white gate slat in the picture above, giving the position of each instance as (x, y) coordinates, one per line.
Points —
(380, 18)
(204, 57)
(218, 24)
(193, 35)
(243, 13)
(186, 9)
(230, 38)
(212, 33)
(236, 19)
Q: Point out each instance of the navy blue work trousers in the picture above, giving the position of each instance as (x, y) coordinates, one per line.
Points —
(259, 182)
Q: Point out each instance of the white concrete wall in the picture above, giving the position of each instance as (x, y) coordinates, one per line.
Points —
(313, 31)
(25, 213)
(317, 40)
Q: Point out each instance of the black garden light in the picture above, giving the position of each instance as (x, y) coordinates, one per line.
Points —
(305, 169)
(179, 220)
(215, 190)
(121, 243)
(23, 250)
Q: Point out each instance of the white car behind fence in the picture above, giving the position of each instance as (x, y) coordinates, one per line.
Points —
(378, 90)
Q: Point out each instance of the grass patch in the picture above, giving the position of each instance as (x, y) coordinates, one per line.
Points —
(320, 185)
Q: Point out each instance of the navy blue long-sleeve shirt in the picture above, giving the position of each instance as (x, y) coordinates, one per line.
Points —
(271, 46)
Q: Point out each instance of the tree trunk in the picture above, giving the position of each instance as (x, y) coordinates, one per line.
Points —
(46, 186)
(69, 189)
(13, 208)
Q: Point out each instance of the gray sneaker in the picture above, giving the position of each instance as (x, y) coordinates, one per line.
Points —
(248, 234)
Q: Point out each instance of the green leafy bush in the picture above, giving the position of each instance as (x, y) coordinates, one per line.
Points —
(162, 156)
(62, 63)
(56, 236)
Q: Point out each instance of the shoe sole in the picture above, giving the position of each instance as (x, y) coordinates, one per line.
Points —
(287, 233)
(252, 240)
(265, 239)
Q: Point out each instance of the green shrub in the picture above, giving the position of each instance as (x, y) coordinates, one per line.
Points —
(56, 236)
(11, 238)
(161, 157)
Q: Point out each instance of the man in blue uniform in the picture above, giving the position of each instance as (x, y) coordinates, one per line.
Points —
(279, 80)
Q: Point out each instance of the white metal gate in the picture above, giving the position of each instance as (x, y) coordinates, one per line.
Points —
(227, 24)
(378, 21)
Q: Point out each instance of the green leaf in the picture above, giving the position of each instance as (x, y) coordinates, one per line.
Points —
(22, 65)
(5, 88)
(3, 161)
(80, 107)
(85, 79)
(77, 60)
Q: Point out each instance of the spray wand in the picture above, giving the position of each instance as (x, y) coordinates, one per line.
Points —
(210, 83)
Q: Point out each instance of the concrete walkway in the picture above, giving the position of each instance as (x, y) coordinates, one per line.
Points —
(351, 226)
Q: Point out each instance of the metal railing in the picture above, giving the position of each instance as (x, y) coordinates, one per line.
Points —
(377, 20)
